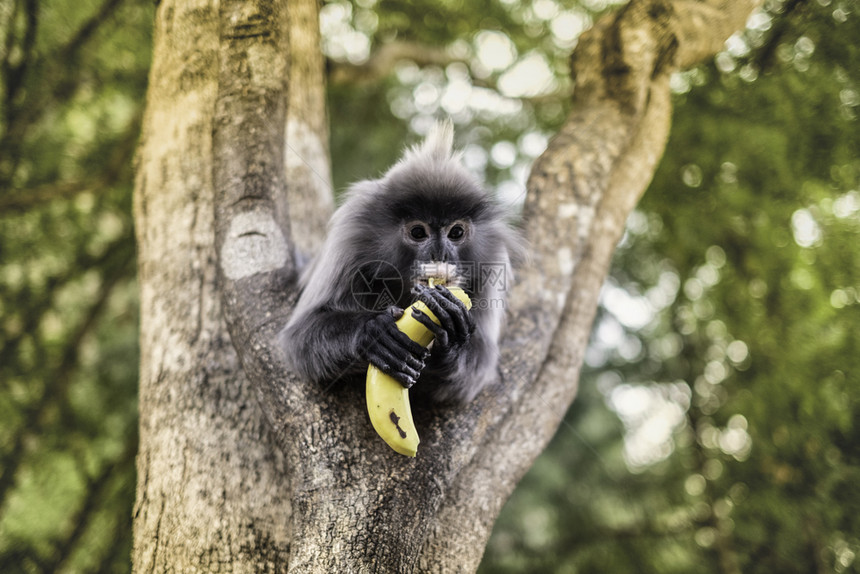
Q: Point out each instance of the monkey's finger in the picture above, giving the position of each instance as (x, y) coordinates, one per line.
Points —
(383, 328)
(428, 294)
(449, 318)
(419, 288)
(452, 299)
(446, 294)
(400, 345)
(387, 362)
(462, 322)
(425, 320)
(404, 356)
(438, 331)
(431, 298)
(397, 340)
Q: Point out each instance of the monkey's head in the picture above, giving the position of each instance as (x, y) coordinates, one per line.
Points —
(436, 217)
(436, 211)
(426, 208)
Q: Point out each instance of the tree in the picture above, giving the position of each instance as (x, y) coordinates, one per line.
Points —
(240, 463)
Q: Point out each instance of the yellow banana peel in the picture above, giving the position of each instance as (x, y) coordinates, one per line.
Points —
(387, 399)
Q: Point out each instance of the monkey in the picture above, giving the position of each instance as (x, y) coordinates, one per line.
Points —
(426, 209)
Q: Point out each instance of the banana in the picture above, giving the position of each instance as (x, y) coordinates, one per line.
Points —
(387, 399)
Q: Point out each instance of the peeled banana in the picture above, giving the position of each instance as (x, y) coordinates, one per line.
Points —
(387, 399)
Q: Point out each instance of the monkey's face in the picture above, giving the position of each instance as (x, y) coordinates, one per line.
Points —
(435, 212)
(435, 240)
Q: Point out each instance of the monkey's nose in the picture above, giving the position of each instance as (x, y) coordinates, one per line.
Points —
(438, 251)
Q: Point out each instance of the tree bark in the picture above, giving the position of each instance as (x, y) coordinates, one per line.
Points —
(243, 466)
(213, 490)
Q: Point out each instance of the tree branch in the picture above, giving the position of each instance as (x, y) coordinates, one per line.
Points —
(384, 510)
(703, 27)
(13, 73)
(88, 28)
(60, 83)
(317, 429)
(309, 194)
(580, 192)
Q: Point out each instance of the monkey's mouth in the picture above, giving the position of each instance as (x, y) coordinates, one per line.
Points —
(437, 273)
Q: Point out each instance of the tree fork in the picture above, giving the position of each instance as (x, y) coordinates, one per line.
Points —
(252, 467)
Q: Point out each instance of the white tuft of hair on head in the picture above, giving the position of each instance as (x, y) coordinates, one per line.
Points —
(435, 155)
(439, 143)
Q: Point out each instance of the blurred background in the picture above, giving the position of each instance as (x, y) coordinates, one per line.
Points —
(715, 431)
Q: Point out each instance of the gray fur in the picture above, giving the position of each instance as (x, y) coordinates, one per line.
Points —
(323, 339)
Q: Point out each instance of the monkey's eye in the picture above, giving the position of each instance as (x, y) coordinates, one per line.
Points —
(418, 232)
(456, 232)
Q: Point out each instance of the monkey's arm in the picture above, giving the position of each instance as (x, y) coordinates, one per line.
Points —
(326, 344)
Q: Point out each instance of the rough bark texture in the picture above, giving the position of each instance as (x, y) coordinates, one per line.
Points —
(254, 470)
(213, 491)
(211, 487)
(309, 193)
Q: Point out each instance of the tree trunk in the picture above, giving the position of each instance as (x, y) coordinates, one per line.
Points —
(243, 466)
(213, 491)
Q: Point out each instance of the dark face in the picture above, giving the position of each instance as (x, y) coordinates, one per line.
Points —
(434, 216)
(397, 249)
(437, 240)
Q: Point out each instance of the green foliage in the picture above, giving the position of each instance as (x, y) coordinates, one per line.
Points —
(71, 95)
(752, 222)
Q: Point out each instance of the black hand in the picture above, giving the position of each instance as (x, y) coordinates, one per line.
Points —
(456, 324)
(390, 350)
